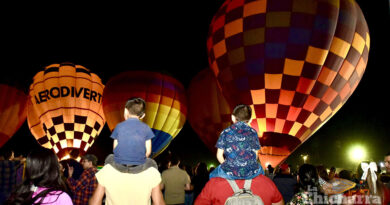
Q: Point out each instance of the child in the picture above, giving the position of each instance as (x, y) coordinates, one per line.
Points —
(132, 138)
(239, 143)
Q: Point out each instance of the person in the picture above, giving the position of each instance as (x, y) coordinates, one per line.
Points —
(270, 172)
(309, 187)
(285, 182)
(73, 162)
(175, 182)
(332, 173)
(384, 180)
(217, 190)
(133, 186)
(42, 184)
(200, 179)
(83, 188)
(239, 143)
(132, 138)
(9, 168)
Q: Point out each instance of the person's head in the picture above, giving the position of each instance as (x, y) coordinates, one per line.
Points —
(270, 168)
(332, 172)
(7, 154)
(308, 177)
(135, 107)
(88, 161)
(284, 168)
(201, 169)
(242, 113)
(387, 162)
(321, 170)
(174, 161)
(345, 174)
(42, 170)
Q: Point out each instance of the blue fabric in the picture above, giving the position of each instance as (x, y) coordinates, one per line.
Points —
(131, 135)
(218, 172)
(239, 142)
(161, 140)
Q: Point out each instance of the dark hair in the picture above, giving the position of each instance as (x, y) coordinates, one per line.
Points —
(242, 113)
(42, 170)
(322, 172)
(388, 154)
(136, 106)
(345, 174)
(201, 169)
(308, 177)
(174, 160)
(90, 157)
(74, 153)
(6, 153)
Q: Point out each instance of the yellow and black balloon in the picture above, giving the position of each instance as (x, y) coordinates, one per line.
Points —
(65, 109)
(296, 62)
(166, 105)
(13, 111)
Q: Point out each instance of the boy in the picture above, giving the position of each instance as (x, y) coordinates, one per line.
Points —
(239, 143)
(132, 138)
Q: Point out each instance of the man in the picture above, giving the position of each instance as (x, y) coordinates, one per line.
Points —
(387, 163)
(72, 162)
(217, 190)
(285, 182)
(128, 185)
(83, 188)
(175, 181)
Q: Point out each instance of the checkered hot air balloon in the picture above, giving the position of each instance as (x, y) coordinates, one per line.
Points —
(296, 62)
(208, 111)
(13, 111)
(166, 106)
(65, 109)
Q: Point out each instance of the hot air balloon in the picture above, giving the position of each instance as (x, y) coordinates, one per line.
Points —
(13, 111)
(208, 111)
(296, 62)
(166, 107)
(65, 109)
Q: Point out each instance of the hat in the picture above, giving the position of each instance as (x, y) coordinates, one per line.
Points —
(90, 157)
(283, 167)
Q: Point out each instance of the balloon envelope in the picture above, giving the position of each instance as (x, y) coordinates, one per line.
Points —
(65, 108)
(296, 62)
(166, 106)
(13, 111)
(208, 111)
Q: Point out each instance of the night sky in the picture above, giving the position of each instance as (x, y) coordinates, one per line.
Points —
(170, 37)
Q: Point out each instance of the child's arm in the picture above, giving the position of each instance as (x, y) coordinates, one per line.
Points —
(148, 145)
(115, 144)
(220, 157)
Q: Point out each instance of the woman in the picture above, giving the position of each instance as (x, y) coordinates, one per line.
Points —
(309, 187)
(43, 183)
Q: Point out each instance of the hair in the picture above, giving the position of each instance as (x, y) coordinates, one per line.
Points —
(6, 153)
(136, 106)
(92, 158)
(74, 153)
(308, 177)
(201, 169)
(345, 174)
(388, 154)
(242, 113)
(174, 160)
(322, 172)
(42, 170)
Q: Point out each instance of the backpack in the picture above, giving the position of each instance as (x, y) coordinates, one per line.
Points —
(243, 196)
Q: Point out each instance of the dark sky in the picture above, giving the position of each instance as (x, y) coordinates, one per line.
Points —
(170, 37)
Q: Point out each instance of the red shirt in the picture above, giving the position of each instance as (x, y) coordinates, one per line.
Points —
(217, 190)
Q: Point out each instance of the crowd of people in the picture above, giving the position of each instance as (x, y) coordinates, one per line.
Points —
(129, 176)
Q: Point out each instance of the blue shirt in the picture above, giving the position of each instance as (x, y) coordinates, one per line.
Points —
(239, 141)
(131, 135)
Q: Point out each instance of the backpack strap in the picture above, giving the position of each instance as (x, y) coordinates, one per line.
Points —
(247, 185)
(234, 185)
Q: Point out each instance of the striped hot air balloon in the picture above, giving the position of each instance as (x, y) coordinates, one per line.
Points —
(208, 111)
(65, 109)
(13, 111)
(296, 62)
(166, 107)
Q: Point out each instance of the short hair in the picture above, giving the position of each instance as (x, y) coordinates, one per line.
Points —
(174, 159)
(90, 157)
(242, 112)
(388, 154)
(136, 106)
(6, 153)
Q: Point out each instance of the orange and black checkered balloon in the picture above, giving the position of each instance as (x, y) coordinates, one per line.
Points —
(65, 109)
(296, 62)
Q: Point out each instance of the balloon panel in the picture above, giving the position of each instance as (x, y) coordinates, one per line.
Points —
(65, 108)
(208, 111)
(166, 107)
(13, 111)
(296, 63)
